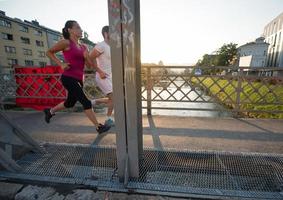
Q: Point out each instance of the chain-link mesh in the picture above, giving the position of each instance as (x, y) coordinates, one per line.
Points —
(183, 172)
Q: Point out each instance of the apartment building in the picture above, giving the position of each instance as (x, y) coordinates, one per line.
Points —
(273, 33)
(24, 43)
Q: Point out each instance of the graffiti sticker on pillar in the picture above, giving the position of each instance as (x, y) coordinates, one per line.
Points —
(116, 28)
(128, 39)
(123, 21)
(130, 68)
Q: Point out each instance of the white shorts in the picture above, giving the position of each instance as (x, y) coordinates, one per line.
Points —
(105, 85)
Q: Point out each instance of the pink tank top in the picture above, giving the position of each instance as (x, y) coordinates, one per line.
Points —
(75, 57)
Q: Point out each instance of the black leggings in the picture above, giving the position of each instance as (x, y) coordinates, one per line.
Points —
(75, 92)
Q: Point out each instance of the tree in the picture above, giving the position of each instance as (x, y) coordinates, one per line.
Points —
(226, 54)
(207, 60)
(160, 63)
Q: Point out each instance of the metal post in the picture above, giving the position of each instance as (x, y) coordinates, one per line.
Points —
(125, 57)
(7, 162)
(148, 89)
(21, 134)
(238, 93)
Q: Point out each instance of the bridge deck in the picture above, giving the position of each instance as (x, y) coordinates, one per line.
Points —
(205, 162)
(192, 133)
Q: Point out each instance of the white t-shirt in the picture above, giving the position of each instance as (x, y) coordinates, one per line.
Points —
(104, 59)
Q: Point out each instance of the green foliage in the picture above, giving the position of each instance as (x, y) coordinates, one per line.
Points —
(257, 95)
(207, 60)
(225, 56)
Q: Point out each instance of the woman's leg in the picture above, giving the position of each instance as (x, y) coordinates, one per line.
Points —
(70, 85)
(57, 108)
(81, 97)
(88, 110)
(90, 114)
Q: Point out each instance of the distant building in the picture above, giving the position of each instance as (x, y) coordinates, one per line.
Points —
(253, 54)
(24, 43)
(273, 35)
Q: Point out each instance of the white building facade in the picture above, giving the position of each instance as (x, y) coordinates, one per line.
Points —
(253, 54)
(273, 35)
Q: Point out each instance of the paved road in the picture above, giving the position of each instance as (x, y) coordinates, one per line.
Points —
(194, 133)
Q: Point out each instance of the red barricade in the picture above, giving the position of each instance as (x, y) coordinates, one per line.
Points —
(39, 88)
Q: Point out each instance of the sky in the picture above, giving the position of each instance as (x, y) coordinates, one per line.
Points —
(174, 31)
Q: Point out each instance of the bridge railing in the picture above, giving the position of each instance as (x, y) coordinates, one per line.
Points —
(242, 91)
(253, 92)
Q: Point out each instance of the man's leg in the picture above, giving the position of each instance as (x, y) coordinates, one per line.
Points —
(99, 101)
(110, 104)
(109, 121)
(105, 86)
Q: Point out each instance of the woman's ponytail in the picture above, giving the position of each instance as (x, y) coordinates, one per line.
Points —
(65, 31)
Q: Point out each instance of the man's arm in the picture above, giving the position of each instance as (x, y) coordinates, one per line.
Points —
(92, 58)
(94, 54)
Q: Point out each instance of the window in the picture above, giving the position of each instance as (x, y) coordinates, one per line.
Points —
(7, 36)
(264, 53)
(28, 62)
(27, 52)
(274, 27)
(38, 32)
(12, 61)
(42, 64)
(24, 29)
(9, 49)
(275, 40)
(5, 23)
(39, 43)
(41, 54)
(56, 38)
(25, 40)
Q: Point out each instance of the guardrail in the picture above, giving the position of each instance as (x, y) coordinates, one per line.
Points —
(237, 90)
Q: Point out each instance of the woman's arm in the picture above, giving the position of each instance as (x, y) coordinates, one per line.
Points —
(59, 46)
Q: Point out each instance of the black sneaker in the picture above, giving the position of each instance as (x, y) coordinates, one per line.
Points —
(102, 128)
(48, 115)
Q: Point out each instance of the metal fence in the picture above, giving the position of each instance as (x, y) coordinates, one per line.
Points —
(238, 90)
(244, 91)
(14, 85)
(182, 173)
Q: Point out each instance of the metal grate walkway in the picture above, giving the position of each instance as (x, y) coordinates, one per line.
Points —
(215, 174)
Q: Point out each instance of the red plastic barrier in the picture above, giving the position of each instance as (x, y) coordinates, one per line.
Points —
(39, 88)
